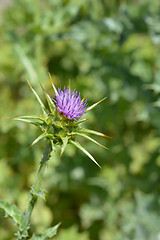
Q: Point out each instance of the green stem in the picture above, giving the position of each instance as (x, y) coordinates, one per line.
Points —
(36, 188)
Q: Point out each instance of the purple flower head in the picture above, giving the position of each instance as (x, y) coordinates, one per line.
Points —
(69, 103)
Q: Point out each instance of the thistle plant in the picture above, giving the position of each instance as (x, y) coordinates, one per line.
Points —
(59, 125)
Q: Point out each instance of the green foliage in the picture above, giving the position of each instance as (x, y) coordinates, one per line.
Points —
(16, 215)
(49, 233)
(12, 212)
(106, 48)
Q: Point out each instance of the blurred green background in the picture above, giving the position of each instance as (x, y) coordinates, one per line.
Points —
(106, 48)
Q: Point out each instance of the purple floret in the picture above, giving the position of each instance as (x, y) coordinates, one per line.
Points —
(69, 104)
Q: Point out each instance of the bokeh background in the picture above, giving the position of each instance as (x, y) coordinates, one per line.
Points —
(106, 48)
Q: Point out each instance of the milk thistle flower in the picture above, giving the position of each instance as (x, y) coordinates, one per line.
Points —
(59, 124)
(69, 103)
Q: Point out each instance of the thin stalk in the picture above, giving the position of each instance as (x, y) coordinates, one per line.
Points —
(36, 188)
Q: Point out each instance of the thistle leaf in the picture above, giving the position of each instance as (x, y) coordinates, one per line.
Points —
(49, 233)
(95, 133)
(82, 120)
(54, 88)
(13, 212)
(49, 100)
(89, 138)
(28, 117)
(65, 141)
(39, 100)
(94, 105)
(27, 121)
(43, 135)
(76, 144)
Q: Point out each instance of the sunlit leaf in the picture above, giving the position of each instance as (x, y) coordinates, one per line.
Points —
(89, 138)
(82, 120)
(28, 121)
(43, 135)
(18, 218)
(12, 211)
(28, 117)
(95, 104)
(77, 144)
(49, 233)
(95, 133)
(39, 100)
(65, 141)
(49, 100)
(54, 88)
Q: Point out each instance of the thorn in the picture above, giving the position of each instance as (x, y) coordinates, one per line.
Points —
(29, 84)
(42, 87)
(82, 120)
(55, 90)
(97, 164)
(51, 79)
(84, 98)
(102, 146)
(69, 85)
(107, 136)
(12, 118)
(30, 146)
(95, 104)
(60, 155)
(101, 100)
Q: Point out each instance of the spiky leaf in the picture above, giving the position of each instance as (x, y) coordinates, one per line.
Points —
(36, 123)
(95, 104)
(85, 130)
(13, 212)
(49, 233)
(54, 88)
(89, 138)
(29, 117)
(65, 141)
(77, 144)
(81, 121)
(44, 110)
(43, 135)
(49, 100)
